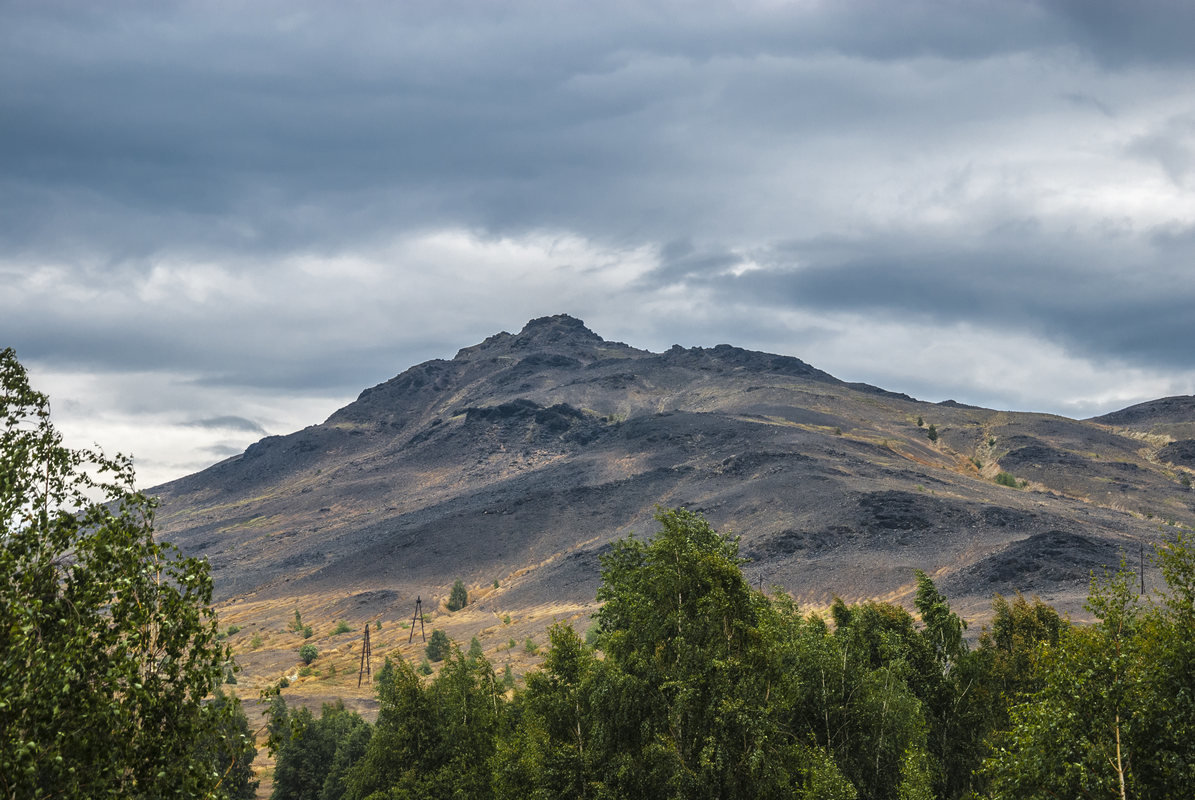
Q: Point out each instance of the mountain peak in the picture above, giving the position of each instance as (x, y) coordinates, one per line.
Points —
(555, 332)
(555, 328)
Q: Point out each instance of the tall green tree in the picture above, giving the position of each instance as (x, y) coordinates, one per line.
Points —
(549, 754)
(683, 707)
(109, 643)
(311, 762)
(229, 748)
(1114, 711)
(431, 742)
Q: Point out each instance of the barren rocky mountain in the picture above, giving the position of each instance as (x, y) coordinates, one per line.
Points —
(521, 458)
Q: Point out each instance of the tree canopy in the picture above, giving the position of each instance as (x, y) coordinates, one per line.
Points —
(110, 646)
(697, 686)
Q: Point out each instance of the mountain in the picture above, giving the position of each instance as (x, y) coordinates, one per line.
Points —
(520, 459)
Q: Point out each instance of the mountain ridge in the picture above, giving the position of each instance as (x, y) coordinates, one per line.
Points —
(523, 456)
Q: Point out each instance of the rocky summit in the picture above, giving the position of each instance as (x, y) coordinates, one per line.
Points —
(519, 460)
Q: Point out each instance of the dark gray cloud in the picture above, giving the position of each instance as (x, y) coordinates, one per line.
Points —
(302, 198)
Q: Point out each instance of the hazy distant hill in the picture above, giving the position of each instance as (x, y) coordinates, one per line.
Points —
(523, 456)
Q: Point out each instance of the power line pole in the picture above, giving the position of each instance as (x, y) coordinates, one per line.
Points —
(1142, 546)
(418, 616)
(365, 655)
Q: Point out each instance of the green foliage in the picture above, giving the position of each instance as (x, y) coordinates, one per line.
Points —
(228, 748)
(931, 433)
(1020, 634)
(308, 653)
(920, 422)
(378, 625)
(529, 646)
(506, 619)
(304, 672)
(341, 627)
(1007, 479)
(108, 645)
(1114, 711)
(495, 583)
(438, 646)
(307, 632)
(459, 597)
(511, 644)
(313, 755)
(431, 742)
(256, 642)
(297, 625)
(547, 753)
(708, 689)
(682, 699)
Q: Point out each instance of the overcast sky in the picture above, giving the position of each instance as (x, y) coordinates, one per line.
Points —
(220, 220)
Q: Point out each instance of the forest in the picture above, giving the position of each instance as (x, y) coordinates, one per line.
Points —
(691, 684)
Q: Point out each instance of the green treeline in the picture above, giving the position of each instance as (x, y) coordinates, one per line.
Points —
(700, 687)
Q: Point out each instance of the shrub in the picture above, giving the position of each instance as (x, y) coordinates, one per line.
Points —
(475, 651)
(1007, 479)
(341, 627)
(425, 668)
(304, 672)
(307, 632)
(256, 642)
(459, 598)
(438, 646)
(495, 583)
(378, 625)
(932, 433)
(530, 646)
(508, 677)
(308, 653)
(506, 619)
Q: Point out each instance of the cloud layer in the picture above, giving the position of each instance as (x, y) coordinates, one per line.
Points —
(226, 212)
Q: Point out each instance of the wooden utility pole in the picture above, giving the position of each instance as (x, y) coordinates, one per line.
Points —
(418, 616)
(1142, 546)
(365, 654)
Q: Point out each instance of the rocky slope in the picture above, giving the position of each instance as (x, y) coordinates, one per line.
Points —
(520, 459)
